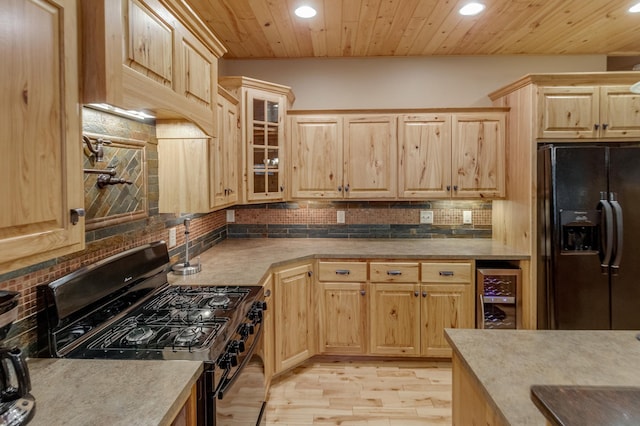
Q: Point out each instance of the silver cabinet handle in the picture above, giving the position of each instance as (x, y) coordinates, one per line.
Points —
(76, 214)
(394, 273)
(446, 273)
(342, 272)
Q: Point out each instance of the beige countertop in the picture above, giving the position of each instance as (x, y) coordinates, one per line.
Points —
(508, 362)
(113, 392)
(246, 261)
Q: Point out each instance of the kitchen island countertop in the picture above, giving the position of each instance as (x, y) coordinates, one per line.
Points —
(246, 261)
(506, 363)
(110, 392)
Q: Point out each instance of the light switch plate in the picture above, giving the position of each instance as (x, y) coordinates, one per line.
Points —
(172, 237)
(426, 216)
(467, 217)
(231, 216)
(340, 217)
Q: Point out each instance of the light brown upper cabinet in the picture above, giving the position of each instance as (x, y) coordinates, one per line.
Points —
(40, 139)
(588, 112)
(263, 109)
(154, 55)
(224, 155)
(459, 155)
(343, 156)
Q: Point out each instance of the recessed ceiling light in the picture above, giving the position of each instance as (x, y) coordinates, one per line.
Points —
(305, 12)
(470, 9)
(635, 8)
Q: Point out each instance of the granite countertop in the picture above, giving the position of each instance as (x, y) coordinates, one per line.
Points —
(113, 392)
(507, 363)
(246, 261)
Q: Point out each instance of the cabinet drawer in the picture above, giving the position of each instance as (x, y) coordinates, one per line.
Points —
(393, 272)
(440, 272)
(342, 271)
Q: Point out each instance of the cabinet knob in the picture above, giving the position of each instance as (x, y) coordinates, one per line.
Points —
(455, 187)
(309, 273)
(346, 188)
(596, 126)
(416, 293)
(340, 189)
(448, 187)
(282, 189)
(362, 292)
(604, 126)
(424, 294)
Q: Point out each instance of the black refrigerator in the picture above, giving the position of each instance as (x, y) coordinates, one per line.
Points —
(588, 217)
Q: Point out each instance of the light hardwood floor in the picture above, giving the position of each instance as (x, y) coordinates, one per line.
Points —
(338, 392)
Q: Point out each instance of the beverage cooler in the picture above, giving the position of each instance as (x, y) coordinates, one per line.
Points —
(498, 298)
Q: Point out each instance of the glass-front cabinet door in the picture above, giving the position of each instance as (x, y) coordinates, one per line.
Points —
(265, 146)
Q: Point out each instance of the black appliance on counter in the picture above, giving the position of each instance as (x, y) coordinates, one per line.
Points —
(17, 405)
(589, 236)
(124, 308)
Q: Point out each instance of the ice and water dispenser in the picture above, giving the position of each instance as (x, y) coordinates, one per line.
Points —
(580, 231)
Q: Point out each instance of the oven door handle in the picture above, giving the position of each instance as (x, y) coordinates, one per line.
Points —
(226, 382)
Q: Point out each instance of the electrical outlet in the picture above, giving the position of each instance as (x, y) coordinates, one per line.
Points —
(467, 218)
(172, 237)
(426, 216)
(340, 218)
(231, 216)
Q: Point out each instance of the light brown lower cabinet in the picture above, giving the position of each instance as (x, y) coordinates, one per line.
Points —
(294, 317)
(401, 309)
(268, 349)
(188, 415)
(469, 404)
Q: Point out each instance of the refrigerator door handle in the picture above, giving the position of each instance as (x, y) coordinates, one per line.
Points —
(606, 235)
(619, 231)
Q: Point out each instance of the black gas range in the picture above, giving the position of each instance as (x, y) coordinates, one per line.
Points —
(124, 308)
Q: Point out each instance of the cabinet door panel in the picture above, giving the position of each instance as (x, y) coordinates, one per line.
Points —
(316, 146)
(619, 112)
(40, 165)
(478, 155)
(198, 69)
(342, 318)
(568, 112)
(293, 319)
(370, 156)
(265, 146)
(394, 319)
(150, 50)
(425, 156)
(444, 306)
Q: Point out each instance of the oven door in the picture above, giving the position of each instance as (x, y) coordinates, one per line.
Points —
(240, 395)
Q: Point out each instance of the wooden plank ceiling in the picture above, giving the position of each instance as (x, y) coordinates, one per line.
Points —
(359, 28)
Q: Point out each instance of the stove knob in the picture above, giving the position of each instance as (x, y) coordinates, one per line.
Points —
(224, 361)
(233, 360)
(260, 305)
(246, 329)
(236, 347)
